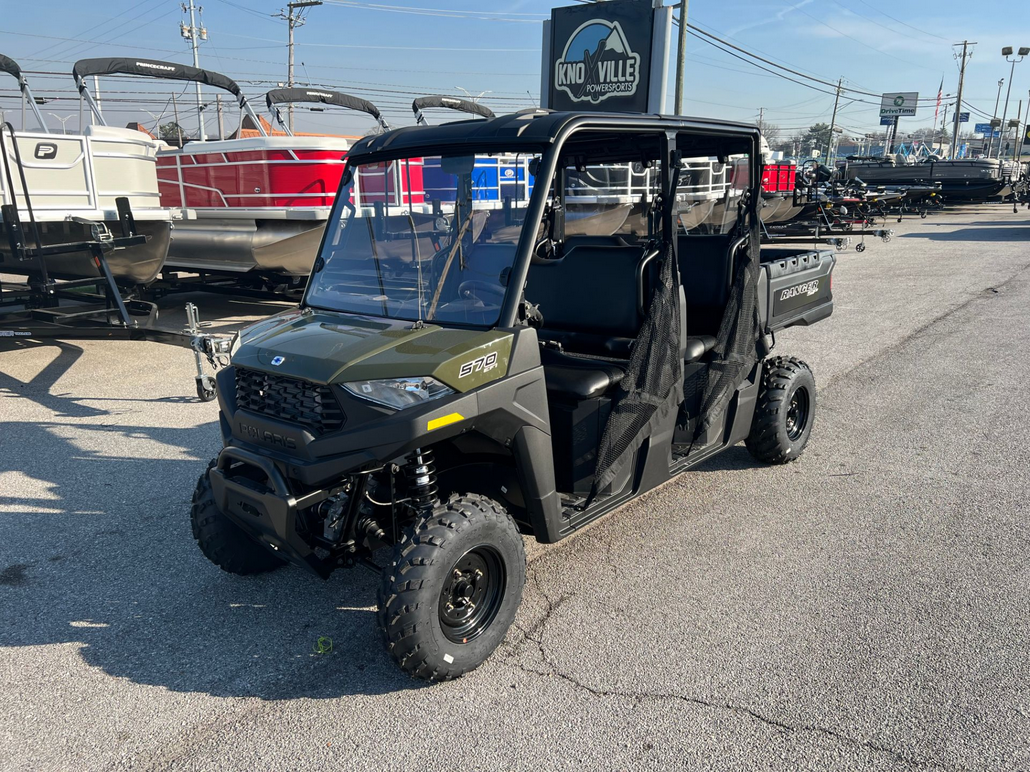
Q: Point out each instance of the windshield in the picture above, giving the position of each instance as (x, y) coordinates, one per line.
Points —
(430, 238)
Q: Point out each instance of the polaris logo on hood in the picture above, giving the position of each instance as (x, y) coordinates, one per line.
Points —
(597, 63)
(808, 288)
(150, 65)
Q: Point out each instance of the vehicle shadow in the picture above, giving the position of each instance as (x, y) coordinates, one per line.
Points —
(96, 550)
(1016, 231)
(732, 459)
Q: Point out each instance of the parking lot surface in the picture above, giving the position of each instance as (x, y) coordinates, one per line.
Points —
(864, 607)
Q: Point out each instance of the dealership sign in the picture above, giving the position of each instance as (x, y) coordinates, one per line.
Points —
(609, 56)
(895, 103)
(613, 69)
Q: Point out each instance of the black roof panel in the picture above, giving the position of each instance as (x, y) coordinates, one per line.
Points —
(529, 129)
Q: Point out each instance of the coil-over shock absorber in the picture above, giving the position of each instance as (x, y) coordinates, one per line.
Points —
(420, 474)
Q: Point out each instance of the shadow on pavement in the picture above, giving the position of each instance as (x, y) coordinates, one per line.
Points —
(1016, 231)
(105, 559)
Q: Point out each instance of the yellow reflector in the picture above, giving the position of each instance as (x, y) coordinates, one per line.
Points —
(447, 420)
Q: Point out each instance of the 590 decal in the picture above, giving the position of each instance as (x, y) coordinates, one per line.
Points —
(483, 364)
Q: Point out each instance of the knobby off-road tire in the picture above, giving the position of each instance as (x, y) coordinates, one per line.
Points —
(785, 411)
(466, 552)
(222, 541)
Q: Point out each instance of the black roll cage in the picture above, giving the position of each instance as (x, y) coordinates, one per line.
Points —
(669, 129)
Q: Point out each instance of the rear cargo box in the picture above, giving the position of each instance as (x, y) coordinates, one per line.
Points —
(795, 287)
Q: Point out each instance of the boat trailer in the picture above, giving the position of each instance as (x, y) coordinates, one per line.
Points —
(45, 308)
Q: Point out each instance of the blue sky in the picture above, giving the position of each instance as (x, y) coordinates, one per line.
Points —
(389, 51)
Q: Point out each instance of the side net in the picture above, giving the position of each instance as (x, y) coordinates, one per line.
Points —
(651, 390)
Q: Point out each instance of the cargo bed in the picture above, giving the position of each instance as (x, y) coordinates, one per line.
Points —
(795, 287)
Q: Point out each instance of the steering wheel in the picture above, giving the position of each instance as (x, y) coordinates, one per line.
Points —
(474, 289)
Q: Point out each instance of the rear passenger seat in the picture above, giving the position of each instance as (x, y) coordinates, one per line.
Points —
(590, 302)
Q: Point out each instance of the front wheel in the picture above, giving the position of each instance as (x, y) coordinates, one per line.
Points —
(452, 588)
(222, 541)
(784, 413)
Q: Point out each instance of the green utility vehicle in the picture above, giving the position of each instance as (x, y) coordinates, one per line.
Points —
(468, 368)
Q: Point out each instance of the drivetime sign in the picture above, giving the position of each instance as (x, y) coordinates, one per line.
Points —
(899, 103)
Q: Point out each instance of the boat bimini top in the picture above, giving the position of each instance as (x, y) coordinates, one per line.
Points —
(153, 68)
(10, 66)
(448, 103)
(288, 96)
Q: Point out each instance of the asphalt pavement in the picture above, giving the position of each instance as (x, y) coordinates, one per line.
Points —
(864, 607)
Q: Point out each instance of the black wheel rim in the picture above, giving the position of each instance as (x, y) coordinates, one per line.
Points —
(472, 594)
(797, 414)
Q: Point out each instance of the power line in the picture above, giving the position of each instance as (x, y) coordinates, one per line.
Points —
(899, 21)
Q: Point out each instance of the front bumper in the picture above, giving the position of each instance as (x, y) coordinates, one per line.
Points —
(267, 512)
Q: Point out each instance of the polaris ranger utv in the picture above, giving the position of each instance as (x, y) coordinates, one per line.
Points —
(513, 327)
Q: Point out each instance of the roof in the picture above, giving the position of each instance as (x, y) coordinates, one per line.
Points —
(529, 129)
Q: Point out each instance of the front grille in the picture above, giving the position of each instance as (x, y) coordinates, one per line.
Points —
(289, 399)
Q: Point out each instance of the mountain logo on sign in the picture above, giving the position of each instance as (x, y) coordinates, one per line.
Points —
(597, 63)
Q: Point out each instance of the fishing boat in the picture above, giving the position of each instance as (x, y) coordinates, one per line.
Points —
(73, 183)
(257, 201)
(977, 179)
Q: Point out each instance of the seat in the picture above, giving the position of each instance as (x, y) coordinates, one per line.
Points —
(591, 298)
(578, 378)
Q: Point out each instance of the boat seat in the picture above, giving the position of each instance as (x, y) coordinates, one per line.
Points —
(578, 378)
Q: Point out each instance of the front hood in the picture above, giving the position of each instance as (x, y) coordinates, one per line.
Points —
(328, 347)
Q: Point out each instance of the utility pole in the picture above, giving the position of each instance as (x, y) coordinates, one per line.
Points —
(833, 120)
(221, 125)
(195, 34)
(761, 119)
(175, 112)
(293, 20)
(681, 55)
(958, 102)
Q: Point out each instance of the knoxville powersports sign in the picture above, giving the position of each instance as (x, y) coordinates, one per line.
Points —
(601, 57)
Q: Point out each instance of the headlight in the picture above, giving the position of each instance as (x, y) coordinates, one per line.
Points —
(399, 393)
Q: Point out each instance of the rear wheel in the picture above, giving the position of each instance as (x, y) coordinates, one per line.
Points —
(452, 588)
(222, 541)
(784, 413)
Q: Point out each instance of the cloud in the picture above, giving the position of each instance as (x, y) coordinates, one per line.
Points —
(778, 16)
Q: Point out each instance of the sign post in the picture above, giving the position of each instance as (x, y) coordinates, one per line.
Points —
(607, 57)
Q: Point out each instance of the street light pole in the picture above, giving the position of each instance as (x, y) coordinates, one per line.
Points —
(1007, 53)
(994, 115)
